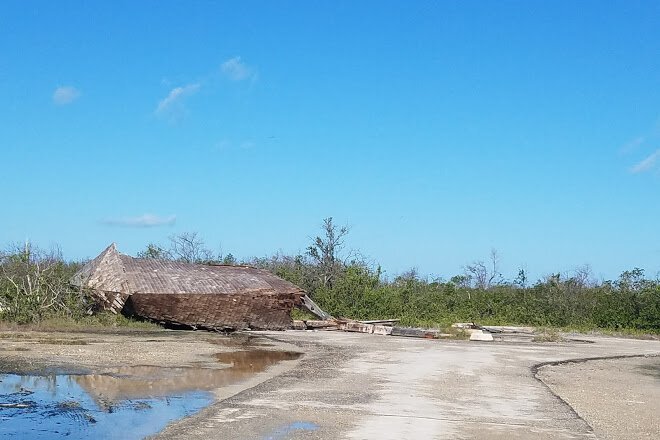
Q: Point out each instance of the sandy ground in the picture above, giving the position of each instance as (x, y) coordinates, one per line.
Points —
(619, 398)
(355, 386)
(38, 352)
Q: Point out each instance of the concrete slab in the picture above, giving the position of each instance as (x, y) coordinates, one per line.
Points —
(480, 335)
(357, 386)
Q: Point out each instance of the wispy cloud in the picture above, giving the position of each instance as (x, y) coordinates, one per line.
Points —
(642, 143)
(646, 164)
(174, 99)
(633, 144)
(64, 95)
(237, 70)
(142, 221)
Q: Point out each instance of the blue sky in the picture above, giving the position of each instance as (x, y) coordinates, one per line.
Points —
(436, 130)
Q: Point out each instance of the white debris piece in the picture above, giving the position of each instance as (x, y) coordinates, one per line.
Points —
(480, 335)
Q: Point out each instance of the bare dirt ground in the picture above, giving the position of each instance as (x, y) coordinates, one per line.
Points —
(355, 386)
(35, 351)
(619, 398)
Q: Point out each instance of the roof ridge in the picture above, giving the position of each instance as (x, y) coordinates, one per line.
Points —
(94, 267)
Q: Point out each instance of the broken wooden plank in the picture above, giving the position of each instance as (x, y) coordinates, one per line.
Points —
(415, 332)
(382, 329)
(312, 307)
(508, 329)
(312, 324)
(355, 326)
(381, 321)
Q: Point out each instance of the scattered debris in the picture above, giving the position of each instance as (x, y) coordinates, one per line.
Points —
(389, 322)
(498, 332)
(508, 329)
(416, 332)
(481, 335)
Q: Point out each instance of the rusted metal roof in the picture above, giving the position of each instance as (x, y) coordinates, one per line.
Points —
(112, 271)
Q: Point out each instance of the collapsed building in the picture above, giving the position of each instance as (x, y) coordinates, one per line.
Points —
(210, 296)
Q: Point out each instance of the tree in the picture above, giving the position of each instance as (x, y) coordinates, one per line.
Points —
(325, 250)
(187, 247)
(483, 276)
(521, 279)
(155, 252)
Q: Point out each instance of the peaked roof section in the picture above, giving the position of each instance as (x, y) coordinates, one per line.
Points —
(112, 271)
(105, 272)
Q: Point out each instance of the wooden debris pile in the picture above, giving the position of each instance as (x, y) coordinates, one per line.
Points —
(386, 327)
(496, 332)
(389, 327)
(378, 327)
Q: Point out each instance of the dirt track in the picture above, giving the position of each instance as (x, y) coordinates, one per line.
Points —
(356, 386)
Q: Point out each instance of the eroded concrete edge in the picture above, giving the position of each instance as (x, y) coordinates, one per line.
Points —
(536, 367)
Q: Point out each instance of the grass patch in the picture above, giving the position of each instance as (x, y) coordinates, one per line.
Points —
(101, 321)
(631, 333)
(548, 335)
(457, 333)
(302, 315)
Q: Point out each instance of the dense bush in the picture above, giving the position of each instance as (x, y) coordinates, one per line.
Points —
(481, 294)
(631, 302)
(34, 285)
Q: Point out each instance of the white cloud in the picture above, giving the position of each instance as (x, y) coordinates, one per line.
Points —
(142, 221)
(64, 95)
(175, 97)
(646, 164)
(237, 70)
(633, 144)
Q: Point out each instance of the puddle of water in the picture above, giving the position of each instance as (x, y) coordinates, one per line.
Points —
(53, 407)
(283, 432)
(121, 403)
(651, 370)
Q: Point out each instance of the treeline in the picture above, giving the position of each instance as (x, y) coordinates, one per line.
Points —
(35, 285)
(350, 287)
(360, 292)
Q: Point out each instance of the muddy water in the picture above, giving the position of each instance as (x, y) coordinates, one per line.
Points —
(119, 403)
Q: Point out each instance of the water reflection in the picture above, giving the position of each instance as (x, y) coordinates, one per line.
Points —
(148, 381)
(122, 403)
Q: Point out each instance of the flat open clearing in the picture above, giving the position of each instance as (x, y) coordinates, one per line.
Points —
(356, 386)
